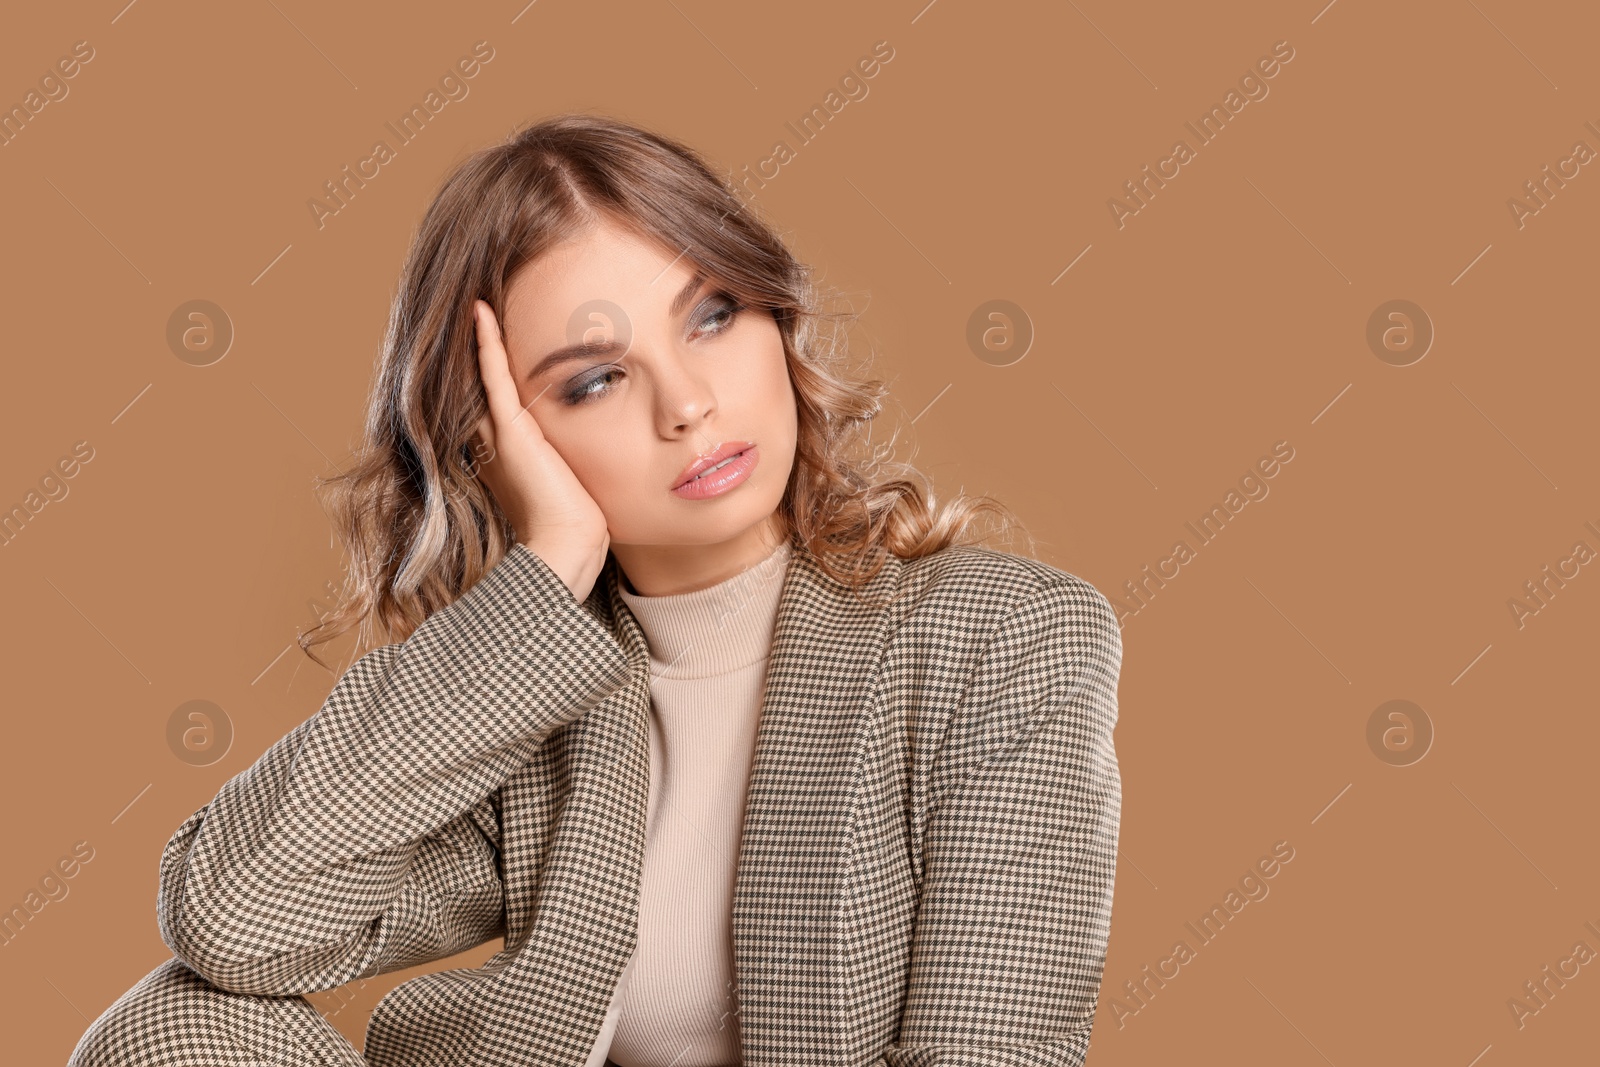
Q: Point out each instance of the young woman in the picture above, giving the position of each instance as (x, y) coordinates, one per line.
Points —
(745, 751)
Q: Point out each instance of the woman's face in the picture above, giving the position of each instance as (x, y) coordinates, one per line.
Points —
(692, 372)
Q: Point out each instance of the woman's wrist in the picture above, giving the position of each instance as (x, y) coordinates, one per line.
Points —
(575, 565)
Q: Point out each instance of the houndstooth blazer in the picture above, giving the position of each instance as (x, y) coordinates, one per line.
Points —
(926, 870)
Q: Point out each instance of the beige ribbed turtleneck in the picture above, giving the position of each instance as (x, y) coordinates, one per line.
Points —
(676, 1003)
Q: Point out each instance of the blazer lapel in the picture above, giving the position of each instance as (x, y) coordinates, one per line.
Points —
(814, 734)
(574, 832)
(572, 926)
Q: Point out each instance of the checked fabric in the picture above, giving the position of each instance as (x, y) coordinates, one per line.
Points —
(925, 875)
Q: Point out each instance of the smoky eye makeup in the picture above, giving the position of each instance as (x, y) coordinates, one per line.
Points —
(582, 388)
(713, 316)
(721, 303)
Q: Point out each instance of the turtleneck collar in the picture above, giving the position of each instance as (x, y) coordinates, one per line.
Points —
(714, 630)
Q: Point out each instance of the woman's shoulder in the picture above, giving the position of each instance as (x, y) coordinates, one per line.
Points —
(954, 606)
(981, 582)
(988, 641)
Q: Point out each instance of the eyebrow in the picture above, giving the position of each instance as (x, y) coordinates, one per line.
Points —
(584, 350)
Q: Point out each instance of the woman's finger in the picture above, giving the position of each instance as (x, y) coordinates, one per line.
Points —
(495, 367)
(483, 430)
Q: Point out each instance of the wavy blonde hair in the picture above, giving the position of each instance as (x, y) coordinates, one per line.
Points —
(418, 525)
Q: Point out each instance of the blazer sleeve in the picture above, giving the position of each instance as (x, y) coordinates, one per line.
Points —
(360, 843)
(1019, 847)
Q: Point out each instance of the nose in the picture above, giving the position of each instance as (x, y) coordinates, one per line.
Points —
(684, 400)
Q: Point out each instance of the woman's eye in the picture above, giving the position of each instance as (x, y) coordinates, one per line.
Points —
(720, 319)
(596, 386)
(585, 390)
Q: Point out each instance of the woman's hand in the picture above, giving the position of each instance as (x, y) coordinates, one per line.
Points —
(551, 512)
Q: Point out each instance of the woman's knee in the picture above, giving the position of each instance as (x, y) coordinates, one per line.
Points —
(172, 1017)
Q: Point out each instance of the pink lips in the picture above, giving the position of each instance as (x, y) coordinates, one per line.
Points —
(735, 471)
(711, 459)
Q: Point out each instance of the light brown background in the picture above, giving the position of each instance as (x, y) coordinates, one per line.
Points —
(1229, 314)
